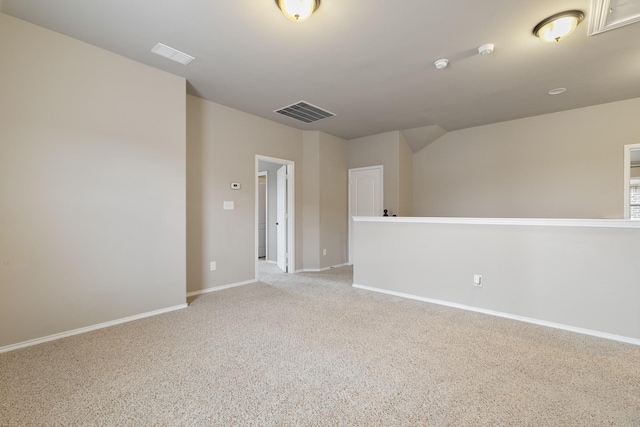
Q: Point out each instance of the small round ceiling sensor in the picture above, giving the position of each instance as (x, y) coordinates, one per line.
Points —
(557, 91)
(486, 49)
(441, 63)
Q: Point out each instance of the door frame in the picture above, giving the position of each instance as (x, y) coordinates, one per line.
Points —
(349, 218)
(266, 212)
(282, 217)
(291, 250)
(627, 177)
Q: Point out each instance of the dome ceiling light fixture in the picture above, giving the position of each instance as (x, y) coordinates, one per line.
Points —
(559, 26)
(298, 10)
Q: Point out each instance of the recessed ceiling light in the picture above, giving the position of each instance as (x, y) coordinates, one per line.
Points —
(172, 54)
(557, 91)
(441, 63)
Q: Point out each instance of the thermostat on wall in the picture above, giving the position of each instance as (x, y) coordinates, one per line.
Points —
(235, 185)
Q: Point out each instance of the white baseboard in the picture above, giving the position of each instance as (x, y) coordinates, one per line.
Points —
(598, 334)
(316, 270)
(60, 335)
(220, 288)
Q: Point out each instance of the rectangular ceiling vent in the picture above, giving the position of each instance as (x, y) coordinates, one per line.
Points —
(172, 54)
(608, 15)
(304, 112)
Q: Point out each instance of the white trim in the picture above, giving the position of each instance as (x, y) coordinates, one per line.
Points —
(220, 288)
(628, 340)
(78, 331)
(598, 18)
(266, 210)
(291, 258)
(627, 177)
(317, 270)
(551, 222)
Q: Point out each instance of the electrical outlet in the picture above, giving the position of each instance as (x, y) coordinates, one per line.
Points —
(477, 280)
(212, 266)
(324, 252)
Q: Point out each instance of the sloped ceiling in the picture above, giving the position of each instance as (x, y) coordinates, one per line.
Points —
(418, 138)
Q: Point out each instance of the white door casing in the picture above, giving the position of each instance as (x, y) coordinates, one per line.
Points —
(262, 214)
(282, 217)
(365, 196)
(290, 208)
(627, 177)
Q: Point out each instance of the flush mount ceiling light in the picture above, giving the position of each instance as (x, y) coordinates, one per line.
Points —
(298, 10)
(559, 26)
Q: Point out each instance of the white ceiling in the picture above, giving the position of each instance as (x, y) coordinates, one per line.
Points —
(368, 61)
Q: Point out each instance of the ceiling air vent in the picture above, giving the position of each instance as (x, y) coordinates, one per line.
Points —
(172, 54)
(611, 14)
(304, 112)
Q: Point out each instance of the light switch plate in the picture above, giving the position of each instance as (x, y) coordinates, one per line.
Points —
(477, 280)
(228, 205)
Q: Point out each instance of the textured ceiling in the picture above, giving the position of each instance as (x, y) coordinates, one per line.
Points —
(368, 61)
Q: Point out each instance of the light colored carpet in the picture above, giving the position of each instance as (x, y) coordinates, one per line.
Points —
(309, 350)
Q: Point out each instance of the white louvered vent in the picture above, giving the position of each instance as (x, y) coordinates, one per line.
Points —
(172, 54)
(304, 112)
(611, 14)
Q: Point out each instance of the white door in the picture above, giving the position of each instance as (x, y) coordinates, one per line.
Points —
(282, 217)
(262, 215)
(365, 196)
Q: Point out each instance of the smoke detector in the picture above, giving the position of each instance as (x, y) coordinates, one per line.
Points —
(486, 49)
(441, 63)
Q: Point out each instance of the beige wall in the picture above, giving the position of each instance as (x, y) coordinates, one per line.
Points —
(333, 208)
(571, 274)
(374, 150)
(564, 165)
(222, 144)
(405, 177)
(92, 184)
(311, 191)
(325, 201)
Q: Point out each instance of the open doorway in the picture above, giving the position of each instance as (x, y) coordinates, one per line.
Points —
(279, 218)
(632, 181)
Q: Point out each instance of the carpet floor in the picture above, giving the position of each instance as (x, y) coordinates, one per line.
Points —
(309, 350)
